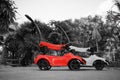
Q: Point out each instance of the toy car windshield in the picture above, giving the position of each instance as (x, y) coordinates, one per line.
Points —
(52, 46)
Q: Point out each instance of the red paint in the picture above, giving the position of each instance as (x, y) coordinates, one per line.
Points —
(51, 46)
(59, 60)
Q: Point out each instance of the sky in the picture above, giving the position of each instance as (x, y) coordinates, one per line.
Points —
(106, 6)
(46, 10)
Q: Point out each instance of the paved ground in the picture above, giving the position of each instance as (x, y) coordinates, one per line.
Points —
(57, 73)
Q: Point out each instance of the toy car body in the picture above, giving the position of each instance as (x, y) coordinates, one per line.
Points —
(1, 49)
(91, 60)
(55, 57)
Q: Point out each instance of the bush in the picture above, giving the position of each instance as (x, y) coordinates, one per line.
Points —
(115, 64)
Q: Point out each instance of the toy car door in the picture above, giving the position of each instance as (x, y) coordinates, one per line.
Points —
(57, 59)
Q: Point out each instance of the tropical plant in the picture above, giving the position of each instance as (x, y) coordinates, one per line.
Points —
(25, 41)
(7, 14)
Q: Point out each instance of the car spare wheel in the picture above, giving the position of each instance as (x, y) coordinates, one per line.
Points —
(74, 65)
(44, 65)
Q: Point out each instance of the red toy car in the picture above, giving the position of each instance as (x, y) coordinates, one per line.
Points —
(58, 55)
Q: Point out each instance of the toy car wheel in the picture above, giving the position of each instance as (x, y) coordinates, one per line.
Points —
(44, 65)
(99, 65)
(74, 65)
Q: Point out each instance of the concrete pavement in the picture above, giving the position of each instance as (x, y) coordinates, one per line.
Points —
(57, 73)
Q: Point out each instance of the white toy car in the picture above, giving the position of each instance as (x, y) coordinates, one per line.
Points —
(1, 49)
(91, 60)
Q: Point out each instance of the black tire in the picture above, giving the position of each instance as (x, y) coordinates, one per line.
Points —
(74, 65)
(99, 65)
(44, 65)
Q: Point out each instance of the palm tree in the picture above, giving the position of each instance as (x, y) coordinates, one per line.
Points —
(117, 3)
(25, 41)
(7, 14)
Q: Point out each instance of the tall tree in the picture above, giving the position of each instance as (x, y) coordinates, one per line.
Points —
(25, 41)
(7, 14)
(118, 4)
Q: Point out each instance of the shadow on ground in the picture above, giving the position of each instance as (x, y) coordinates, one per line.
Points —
(67, 69)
